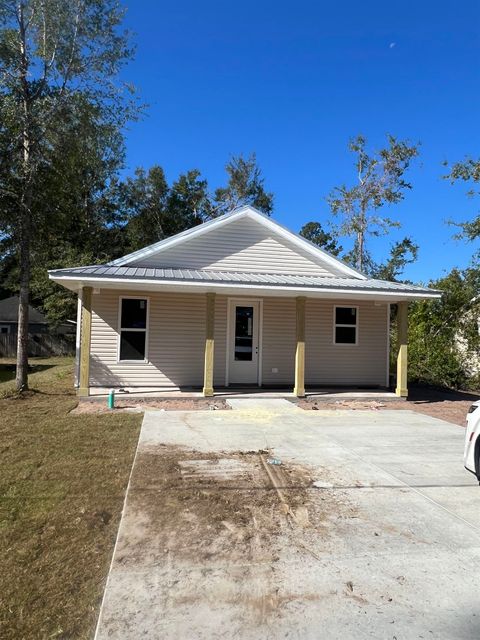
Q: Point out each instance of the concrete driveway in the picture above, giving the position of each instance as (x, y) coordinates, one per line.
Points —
(215, 543)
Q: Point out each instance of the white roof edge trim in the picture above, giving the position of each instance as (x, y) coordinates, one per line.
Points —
(96, 282)
(237, 214)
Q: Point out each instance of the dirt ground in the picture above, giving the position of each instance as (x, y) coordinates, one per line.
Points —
(207, 512)
(451, 406)
(235, 503)
(188, 404)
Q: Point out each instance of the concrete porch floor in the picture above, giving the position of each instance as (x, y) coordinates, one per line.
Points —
(320, 393)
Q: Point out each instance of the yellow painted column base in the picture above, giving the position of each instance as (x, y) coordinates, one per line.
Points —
(209, 345)
(299, 387)
(402, 368)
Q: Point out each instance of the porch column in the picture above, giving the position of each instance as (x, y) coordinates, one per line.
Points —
(299, 389)
(85, 339)
(209, 345)
(402, 357)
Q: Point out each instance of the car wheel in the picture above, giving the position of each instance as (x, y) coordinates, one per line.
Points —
(477, 460)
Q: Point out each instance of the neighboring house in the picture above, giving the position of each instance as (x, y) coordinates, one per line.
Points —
(238, 300)
(37, 322)
(43, 341)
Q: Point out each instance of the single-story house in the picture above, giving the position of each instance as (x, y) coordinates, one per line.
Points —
(37, 323)
(238, 300)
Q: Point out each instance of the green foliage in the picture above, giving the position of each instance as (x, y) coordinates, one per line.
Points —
(467, 171)
(152, 210)
(75, 202)
(314, 232)
(402, 253)
(59, 61)
(444, 339)
(245, 187)
(93, 216)
(380, 182)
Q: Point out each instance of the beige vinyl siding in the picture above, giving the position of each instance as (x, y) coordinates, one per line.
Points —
(243, 245)
(330, 364)
(220, 349)
(325, 363)
(176, 343)
(279, 341)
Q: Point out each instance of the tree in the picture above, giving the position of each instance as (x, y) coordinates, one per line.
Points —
(152, 210)
(51, 51)
(443, 334)
(80, 189)
(314, 232)
(245, 187)
(402, 253)
(144, 199)
(188, 200)
(380, 182)
(467, 171)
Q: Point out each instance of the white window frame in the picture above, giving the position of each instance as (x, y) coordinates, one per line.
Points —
(335, 325)
(120, 329)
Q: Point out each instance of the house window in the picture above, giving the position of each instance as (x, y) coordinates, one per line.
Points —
(346, 325)
(133, 329)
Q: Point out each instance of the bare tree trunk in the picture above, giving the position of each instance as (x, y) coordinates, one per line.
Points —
(360, 250)
(25, 213)
(22, 339)
(361, 240)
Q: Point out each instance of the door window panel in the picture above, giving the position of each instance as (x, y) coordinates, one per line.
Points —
(244, 333)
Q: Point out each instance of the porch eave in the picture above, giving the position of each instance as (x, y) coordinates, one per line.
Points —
(345, 293)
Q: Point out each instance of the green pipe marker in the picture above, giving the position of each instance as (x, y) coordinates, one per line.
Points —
(111, 399)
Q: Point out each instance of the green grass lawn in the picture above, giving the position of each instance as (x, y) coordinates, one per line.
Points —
(62, 484)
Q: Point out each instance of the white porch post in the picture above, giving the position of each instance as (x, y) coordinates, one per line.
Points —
(299, 389)
(209, 345)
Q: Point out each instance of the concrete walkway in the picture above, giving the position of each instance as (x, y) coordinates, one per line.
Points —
(388, 546)
(262, 405)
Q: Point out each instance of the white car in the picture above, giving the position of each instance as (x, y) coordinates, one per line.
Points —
(471, 454)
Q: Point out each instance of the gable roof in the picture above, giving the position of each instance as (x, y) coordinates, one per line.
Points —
(317, 254)
(9, 312)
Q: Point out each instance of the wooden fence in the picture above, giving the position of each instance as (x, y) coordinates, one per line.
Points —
(39, 345)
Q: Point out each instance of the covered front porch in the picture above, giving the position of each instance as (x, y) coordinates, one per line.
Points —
(293, 322)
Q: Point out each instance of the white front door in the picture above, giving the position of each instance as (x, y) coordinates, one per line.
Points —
(243, 342)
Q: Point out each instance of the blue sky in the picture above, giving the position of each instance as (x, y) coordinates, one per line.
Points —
(294, 81)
